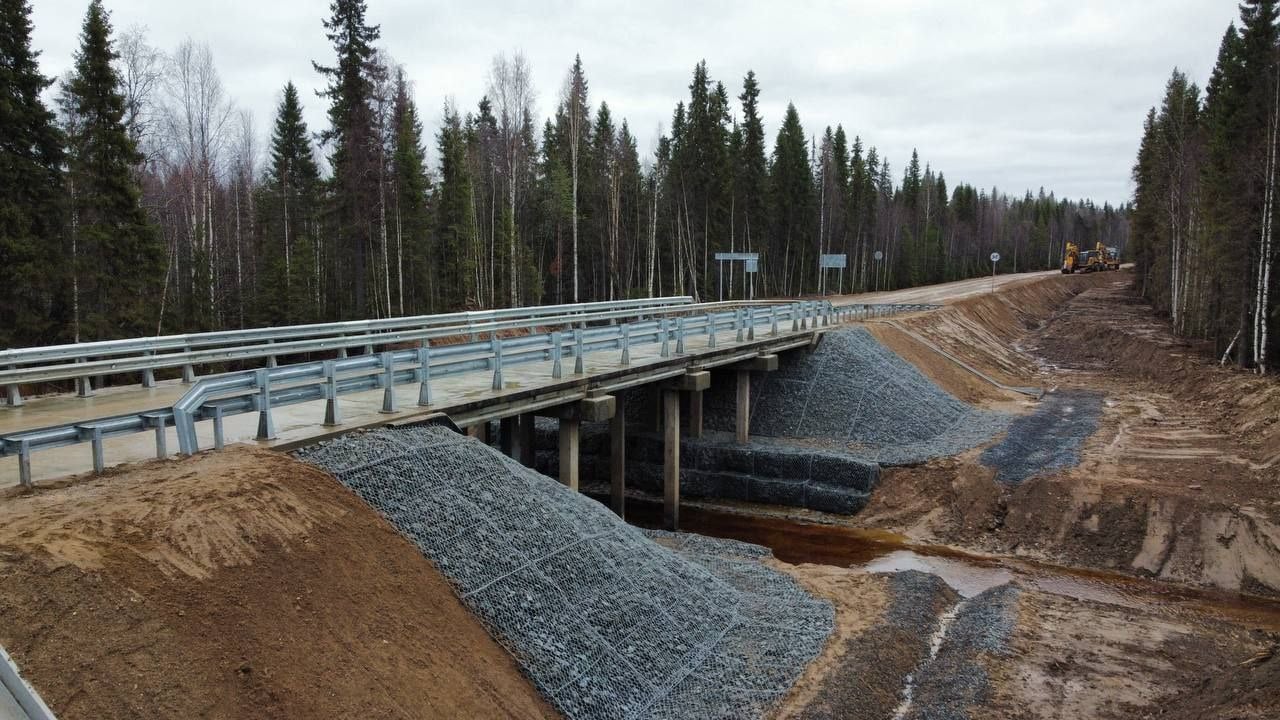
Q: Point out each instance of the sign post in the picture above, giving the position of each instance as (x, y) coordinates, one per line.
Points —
(750, 265)
(878, 257)
(995, 258)
(826, 262)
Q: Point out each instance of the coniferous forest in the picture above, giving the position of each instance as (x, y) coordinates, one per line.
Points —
(1204, 200)
(143, 201)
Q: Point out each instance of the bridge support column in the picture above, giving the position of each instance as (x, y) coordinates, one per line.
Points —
(671, 460)
(507, 436)
(695, 414)
(569, 453)
(527, 451)
(618, 459)
(762, 363)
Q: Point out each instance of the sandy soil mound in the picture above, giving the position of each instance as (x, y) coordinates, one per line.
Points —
(232, 585)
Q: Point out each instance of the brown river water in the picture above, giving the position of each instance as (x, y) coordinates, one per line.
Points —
(798, 542)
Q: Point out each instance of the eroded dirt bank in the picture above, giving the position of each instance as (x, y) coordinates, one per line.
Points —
(232, 585)
(1180, 481)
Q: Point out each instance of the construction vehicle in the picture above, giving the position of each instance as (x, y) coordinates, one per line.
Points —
(1099, 258)
(1111, 256)
(1071, 260)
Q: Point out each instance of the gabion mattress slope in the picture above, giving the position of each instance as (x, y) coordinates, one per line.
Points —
(859, 393)
(605, 621)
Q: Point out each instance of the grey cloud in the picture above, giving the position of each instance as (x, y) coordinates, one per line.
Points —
(1013, 95)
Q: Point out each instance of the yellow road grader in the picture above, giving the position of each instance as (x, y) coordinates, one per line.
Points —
(1099, 258)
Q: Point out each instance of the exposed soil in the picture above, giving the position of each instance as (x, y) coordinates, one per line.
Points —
(237, 584)
(1179, 482)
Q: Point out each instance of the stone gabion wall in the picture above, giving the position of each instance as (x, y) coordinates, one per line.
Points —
(606, 622)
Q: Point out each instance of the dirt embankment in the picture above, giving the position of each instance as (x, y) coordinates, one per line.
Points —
(1179, 481)
(233, 585)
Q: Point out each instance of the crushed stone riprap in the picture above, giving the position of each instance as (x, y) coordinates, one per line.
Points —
(854, 392)
(605, 621)
(1047, 439)
(951, 683)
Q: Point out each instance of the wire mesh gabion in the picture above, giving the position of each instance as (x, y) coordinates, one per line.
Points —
(607, 620)
(855, 393)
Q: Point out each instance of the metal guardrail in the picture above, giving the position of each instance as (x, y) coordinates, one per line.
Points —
(216, 398)
(83, 361)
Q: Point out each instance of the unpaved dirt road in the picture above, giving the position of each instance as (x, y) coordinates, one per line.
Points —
(945, 292)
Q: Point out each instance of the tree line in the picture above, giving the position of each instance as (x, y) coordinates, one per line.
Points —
(1204, 203)
(143, 202)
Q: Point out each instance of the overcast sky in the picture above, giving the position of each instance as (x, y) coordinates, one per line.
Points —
(1009, 94)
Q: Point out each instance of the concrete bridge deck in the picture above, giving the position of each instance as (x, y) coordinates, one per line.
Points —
(467, 398)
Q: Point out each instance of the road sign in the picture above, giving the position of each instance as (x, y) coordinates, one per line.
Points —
(833, 262)
(750, 265)
(995, 257)
(879, 255)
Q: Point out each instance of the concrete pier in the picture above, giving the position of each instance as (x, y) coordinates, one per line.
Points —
(671, 459)
(618, 460)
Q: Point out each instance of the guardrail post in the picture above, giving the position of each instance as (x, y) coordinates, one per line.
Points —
(219, 440)
(162, 442)
(773, 321)
(666, 337)
(266, 426)
(95, 440)
(626, 344)
(424, 374)
(342, 352)
(557, 349)
(24, 463)
(149, 374)
(795, 317)
(751, 323)
(188, 374)
(271, 359)
(84, 385)
(577, 352)
(737, 322)
(389, 382)
(15, 396)
(680, 335)
(497, 361)
(711, 330)
(185, 427)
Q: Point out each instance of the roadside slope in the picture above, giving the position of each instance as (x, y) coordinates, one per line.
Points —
(232, 585)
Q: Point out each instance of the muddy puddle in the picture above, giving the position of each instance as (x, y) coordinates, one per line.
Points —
(969, 574)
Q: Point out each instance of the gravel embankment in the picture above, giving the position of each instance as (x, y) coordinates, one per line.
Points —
(605, 621)
(1047, 439)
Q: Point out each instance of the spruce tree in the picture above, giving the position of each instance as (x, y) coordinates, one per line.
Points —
(751, 180)
(290, 219)
(117, 259)
(455, 218)
(31, 203)
(415, 262)
(354, 142)
(791, 190)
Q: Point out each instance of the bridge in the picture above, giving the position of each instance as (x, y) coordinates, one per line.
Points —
(568, 362)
